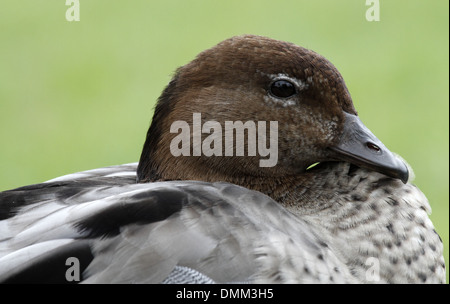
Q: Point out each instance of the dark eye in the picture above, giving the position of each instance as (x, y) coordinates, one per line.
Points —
(282, 89)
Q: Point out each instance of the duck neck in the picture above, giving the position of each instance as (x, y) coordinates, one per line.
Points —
(293, 191)
(301, 194)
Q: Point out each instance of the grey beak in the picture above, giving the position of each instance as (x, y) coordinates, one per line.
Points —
(359, 146)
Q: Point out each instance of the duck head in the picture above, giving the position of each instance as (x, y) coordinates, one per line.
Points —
(256, 79)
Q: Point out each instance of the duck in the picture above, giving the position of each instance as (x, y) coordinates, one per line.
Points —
(303, 192)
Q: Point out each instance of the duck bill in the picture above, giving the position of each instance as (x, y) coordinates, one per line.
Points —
(360, 147)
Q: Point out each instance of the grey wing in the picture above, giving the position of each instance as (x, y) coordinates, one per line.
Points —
(114, 231)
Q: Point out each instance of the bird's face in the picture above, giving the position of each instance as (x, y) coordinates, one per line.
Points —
(298, 95)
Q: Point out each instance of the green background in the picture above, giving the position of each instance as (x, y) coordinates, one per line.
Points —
(80, 95)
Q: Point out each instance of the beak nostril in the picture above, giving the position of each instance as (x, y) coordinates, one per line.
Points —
(373, 147)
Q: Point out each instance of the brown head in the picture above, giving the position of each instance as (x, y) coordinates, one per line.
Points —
(257, 79)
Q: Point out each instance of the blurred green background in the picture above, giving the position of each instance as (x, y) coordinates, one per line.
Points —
(80, 95)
